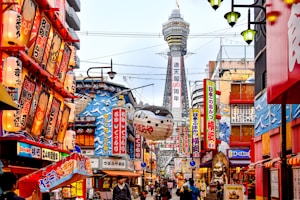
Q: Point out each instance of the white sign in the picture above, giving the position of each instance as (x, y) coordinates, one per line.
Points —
(113, 164)
(94, 163)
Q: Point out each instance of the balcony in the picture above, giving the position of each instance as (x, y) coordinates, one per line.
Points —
(241, 98)
(75, 4)
(240, 140)
(72, 18)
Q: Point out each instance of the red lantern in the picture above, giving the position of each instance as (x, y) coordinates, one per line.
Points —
(153, 122)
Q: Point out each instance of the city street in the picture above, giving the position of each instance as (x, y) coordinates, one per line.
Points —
(174, 196)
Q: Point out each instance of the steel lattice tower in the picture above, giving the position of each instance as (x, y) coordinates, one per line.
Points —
(175, 32)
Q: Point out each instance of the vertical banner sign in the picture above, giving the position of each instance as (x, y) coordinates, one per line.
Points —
(118, 131)
(63, 67)
(34, 32)
(52, 118)
(33, 106)
(28, 15)
(40, 113)
(210, 113)
(195, 127)
(54, 53)
(176, 82)
(63, 124)
(185, 141)
(47, 49)
(137, 146)
(41, 40)
(25, 100)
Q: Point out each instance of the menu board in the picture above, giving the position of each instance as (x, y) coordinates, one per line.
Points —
(296, 183)
(274, 183)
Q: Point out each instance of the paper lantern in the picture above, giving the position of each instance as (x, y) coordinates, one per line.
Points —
(11, 120)
(72, 61)
(12, 22)
(70, 82)
(12, 71)
(153, 122)
(69, 140)
(72, 112)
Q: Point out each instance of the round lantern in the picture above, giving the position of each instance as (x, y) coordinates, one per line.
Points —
(12, 71)
(153, 122)
(69, 140)
(70, 82)
(12, 21)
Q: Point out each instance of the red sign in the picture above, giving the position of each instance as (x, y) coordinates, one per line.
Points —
(52, 118)
(119, 131)
(62, 69)
(41, 40)
(137, 146)
(283, 54)
(25, 101)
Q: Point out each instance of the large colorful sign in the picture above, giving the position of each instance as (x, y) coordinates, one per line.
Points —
(176, 82)
(195, 128)
(28, 150)
(119, 131)
(138, 146)
(210, 114)
(283, 54)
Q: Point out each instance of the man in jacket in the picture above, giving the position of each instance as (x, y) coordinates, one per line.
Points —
(121, 191)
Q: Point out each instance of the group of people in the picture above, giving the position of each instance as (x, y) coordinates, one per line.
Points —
(8, 184)
(188, 191)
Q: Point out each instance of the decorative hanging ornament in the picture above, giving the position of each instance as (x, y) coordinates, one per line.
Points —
(12, 71)
(12, 21)
(153, 122)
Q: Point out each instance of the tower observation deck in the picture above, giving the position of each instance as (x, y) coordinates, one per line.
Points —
(175, 32)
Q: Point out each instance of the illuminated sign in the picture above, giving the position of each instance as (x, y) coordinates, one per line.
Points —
(118, 131)
(238, 153)
(28, 150)
(48, 154)
(176, 82)
(210, 113)
(195, 125)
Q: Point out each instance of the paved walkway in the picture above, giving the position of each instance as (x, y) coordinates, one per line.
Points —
(174, 196)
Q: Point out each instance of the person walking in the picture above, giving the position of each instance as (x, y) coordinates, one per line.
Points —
(195, 190)
(8, 184)
(165, 193)
(186, 194)
(121, 191)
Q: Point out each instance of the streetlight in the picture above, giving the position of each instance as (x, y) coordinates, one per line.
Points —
(233, 16)
(100, 84)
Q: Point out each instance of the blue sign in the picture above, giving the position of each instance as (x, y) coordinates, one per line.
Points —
(238, 153)
(143, 165)
(193, 164)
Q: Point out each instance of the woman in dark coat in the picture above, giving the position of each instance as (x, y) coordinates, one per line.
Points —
(186, 194)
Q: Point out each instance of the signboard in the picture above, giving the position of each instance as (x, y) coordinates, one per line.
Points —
(137, 146)
(195, 127)
(233, 191)
(48, 154)
(119, 131)
(113, 163)
(28, 150)
(210, 114)
(52, 118)
(176, 82)
(62, 66)
(25, 101)
(238, 153)
(296, 185)
(41, 40)
(274, 183)
(283, 54)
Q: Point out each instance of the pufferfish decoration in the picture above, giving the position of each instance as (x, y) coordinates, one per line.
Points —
(153, 122)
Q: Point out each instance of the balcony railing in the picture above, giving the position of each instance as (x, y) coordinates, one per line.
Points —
(241, 98)
(240, 138)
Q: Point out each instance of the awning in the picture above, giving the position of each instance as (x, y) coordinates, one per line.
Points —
(6, 102)
(239, 163)
(121, 173)
(206, 164)
(252, 165)
(270, 163)
(64, 172)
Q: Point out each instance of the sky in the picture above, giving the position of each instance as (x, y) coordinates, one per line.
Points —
(130, 33)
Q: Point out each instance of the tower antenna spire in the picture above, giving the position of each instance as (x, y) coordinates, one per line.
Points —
(177, 5)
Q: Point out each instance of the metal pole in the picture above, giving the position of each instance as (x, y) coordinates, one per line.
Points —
(284, 182)
(143, 176)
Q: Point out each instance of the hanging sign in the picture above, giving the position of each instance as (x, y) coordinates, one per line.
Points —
(119, 131)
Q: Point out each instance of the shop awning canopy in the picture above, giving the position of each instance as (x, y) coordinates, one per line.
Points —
(6, 102)
(239, 163)
(64, 172)
(121, 173)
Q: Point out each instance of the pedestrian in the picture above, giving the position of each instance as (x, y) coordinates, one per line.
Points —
(219, 191)
(186, 194)
(195, 190)
(121, 191)
(8, 184)
(144, 195)
(165, 193)
(157, 196)
(152, 189)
